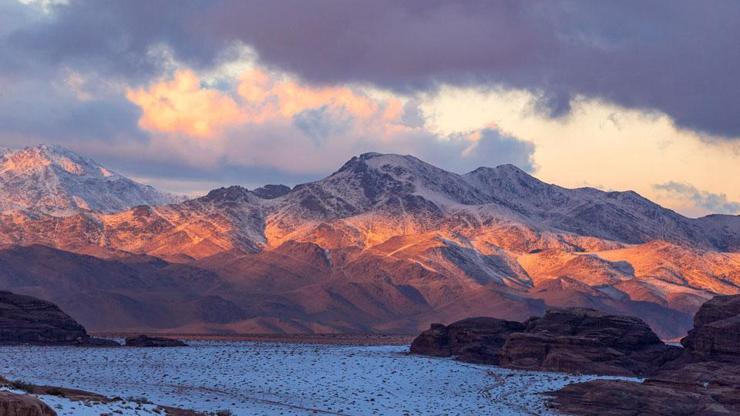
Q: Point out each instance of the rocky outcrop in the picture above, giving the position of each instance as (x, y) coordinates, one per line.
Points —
(716, 333)
(28, 320)
(706, 388)
(579, 340)
(703, 380)
(147, 341)
(624, 398)
(12, 404)
(574, 340)
(473, 340)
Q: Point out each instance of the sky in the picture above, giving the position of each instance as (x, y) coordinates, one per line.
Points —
(190, 95)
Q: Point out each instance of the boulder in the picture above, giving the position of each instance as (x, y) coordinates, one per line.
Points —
(716, 332)
(12, 404)
(152, 342)
(579, 340)
(476, 340)
(28, 320)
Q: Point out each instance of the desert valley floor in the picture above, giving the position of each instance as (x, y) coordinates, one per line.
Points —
(251, 378)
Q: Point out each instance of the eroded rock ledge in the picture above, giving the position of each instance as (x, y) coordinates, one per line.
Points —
(703, 380)
(575, 340)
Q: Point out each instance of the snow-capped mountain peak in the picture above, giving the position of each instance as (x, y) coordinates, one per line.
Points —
(55, 180)
(395, 186)
(42, 157)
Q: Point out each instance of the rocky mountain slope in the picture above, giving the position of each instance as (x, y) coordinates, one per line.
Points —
(388, 243)
(56, 181)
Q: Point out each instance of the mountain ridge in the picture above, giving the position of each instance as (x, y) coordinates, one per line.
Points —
(387, 243)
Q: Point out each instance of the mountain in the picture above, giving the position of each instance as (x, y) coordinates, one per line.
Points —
(53, 180)
(389, 243)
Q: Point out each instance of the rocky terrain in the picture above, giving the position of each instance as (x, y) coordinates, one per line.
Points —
(703, 380)
(575, 340)
(28, 320)
(385, 244)
(476, 340)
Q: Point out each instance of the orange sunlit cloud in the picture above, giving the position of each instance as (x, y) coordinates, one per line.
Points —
(271, 97)
(183, 106)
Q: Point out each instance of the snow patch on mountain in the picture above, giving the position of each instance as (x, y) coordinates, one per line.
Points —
(54, 180)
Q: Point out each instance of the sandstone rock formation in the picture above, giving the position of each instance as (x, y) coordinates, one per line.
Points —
(574, 340)
(12, 404)
(623, 398)
(716, 333)
(703, 380)
(147, 341)
(28, 320)
(472, 340)
(582, 340)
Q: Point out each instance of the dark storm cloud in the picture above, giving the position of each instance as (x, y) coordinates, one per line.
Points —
(37, 102)
(60, 118)
(680, 57)
(115, 38)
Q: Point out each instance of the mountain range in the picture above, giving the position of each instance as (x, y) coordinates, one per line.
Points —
(387, 243)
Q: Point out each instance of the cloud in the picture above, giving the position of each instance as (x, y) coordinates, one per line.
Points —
(679, 57)
(699, 201)
(320, 123)
(274, 96)
(65, 107)
(182, 105)
(597, 143)
(278, 123)
(496, 148)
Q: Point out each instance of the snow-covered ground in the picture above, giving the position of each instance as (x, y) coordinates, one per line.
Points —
(286, 379)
